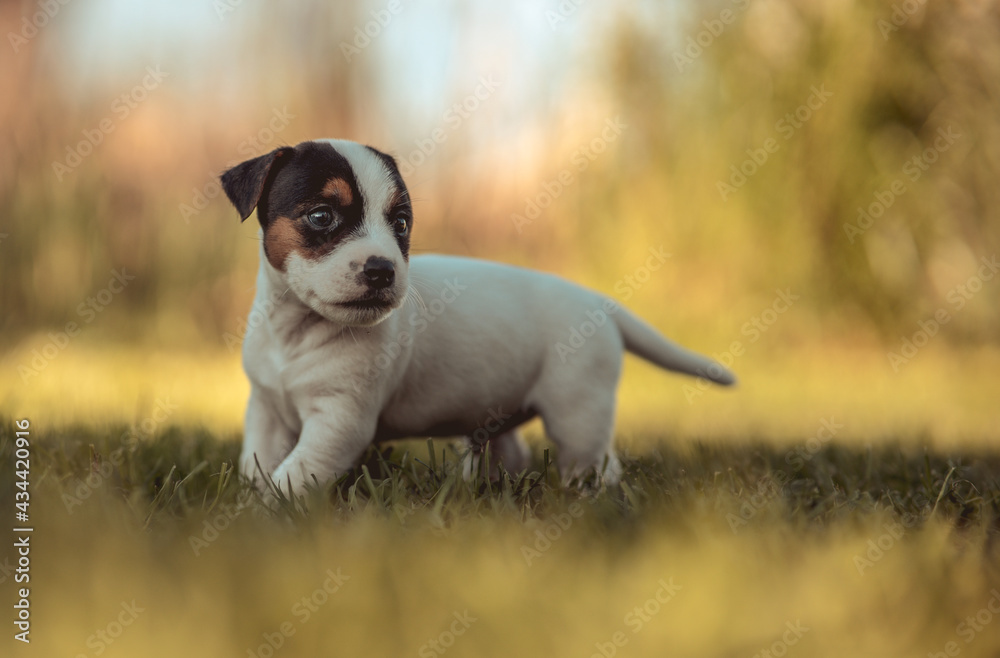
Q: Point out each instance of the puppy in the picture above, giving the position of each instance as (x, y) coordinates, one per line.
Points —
(361, 343)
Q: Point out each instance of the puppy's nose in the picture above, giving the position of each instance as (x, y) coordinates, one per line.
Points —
(379, 272)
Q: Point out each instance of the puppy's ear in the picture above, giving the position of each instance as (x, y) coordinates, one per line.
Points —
(244, 184)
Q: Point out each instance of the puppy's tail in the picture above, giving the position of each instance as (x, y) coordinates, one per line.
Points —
(644, 341)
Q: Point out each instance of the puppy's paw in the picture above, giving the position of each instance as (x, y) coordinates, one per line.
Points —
(508, 449)
(608, 473)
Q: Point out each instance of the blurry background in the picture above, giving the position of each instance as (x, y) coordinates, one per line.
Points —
(846, 153)
(822, 173)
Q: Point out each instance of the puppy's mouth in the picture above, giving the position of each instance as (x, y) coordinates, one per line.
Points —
(370, 302)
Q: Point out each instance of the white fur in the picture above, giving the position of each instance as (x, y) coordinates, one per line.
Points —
(471, 343)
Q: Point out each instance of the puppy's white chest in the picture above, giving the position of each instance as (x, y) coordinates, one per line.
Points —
(274, 377)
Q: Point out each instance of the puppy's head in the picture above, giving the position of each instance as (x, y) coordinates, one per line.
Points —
(336, 218)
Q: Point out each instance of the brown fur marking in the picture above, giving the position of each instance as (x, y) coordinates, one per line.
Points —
(281, 239)
(340, 190)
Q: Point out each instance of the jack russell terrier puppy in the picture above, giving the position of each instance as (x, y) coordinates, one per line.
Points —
(362, 343)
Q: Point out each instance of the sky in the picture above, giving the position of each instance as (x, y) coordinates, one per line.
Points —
(540, 42)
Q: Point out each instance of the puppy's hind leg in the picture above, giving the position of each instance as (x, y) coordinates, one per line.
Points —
(512, 451)
(508, 449)
(583, 437)
(577, 406)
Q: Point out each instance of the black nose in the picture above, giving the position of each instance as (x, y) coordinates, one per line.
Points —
(379, 272)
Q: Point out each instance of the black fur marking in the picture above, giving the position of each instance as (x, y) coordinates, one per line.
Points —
(289, 182)
(246, 182)
(298, 188)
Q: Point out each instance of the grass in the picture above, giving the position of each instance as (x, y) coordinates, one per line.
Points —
(880, 540)
(876, 551)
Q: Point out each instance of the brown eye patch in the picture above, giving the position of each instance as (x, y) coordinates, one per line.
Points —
(339, 189)
(281, 238)
(285, 235)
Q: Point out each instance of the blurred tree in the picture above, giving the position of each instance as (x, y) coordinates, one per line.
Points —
(879, 189)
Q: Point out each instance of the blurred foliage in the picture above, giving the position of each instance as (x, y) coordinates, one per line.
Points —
(892, 91)
(782, 396)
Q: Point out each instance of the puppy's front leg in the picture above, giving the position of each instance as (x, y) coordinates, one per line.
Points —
(266, 440)
(333, 437)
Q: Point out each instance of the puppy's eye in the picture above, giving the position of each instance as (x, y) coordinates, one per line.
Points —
(320, 218)
(400, 225)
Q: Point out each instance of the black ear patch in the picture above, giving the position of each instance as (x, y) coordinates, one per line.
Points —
(244, 184)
